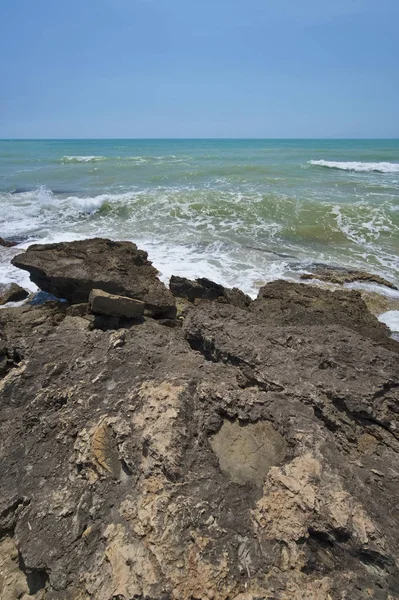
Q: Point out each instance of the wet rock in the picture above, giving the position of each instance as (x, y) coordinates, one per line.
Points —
(111, 305)
(71, 270)
(7, 243)
(13, 293)
(340, 276)
(205, 289)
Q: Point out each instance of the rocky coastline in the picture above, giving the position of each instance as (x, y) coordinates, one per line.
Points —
(189, 442)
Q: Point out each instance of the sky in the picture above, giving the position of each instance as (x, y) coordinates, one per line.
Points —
(199, 68)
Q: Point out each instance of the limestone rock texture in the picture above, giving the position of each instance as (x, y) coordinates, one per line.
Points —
(248, 453)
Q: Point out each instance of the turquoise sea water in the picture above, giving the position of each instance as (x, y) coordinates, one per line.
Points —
(240, 212)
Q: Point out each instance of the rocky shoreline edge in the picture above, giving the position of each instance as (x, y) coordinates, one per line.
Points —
(193, 443)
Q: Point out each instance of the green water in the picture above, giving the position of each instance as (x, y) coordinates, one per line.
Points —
(238, 211)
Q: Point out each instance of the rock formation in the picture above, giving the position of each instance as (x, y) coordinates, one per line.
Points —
(71, 270)
(248, 453)
(12, 293)
(7, 243)
(342, 275)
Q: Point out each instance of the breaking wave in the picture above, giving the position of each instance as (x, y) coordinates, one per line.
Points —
(82, 159)
(358, 167)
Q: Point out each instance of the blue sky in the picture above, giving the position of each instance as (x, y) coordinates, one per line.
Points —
(199, 68)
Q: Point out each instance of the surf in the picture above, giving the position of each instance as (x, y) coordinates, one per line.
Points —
(357, 167)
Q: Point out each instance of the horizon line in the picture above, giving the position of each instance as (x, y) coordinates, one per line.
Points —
(44, 139)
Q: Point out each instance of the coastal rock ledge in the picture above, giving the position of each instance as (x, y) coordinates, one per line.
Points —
(248, 452)
(71, 270)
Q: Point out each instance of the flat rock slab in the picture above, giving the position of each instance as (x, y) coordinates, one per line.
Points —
(71, 270)
(102, 303)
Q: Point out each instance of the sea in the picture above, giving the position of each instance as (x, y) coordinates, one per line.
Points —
(239, 212)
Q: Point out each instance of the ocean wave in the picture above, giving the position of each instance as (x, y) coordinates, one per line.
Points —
(358, 167)
(138, 160)
(82, 159)
(92, 205)
(197, 216)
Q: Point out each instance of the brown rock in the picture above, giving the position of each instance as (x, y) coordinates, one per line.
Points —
(205, 289)
(285, 303)
(71, 270)
(77, 310)
(13, 293)
(111, 305)
(250, 454)
(7, 243)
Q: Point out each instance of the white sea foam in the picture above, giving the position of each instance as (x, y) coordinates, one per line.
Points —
(358, 167)
(391, 319)
(223, 234)
(91, 205)
(215, 261)
(373, 287)
(82, 159)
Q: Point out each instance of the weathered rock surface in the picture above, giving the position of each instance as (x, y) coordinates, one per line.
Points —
(71, 270)
(111, 305)
(378, 304)
(12, 293)
(205, 289)
(283, 303)
(252, 453)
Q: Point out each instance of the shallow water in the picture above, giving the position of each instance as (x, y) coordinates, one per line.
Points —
(240, 212)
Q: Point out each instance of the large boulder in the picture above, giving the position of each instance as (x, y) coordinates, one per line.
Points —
(71, 270)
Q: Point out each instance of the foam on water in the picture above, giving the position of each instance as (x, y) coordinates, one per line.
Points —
(377, 288)
(239, 212)
(82, 159)
(391, 320)
(358, 167)
(215, 261)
